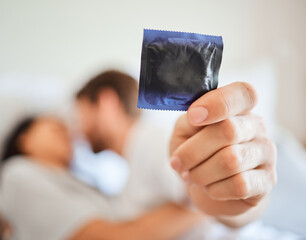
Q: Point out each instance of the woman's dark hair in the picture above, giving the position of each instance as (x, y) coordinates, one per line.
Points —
(11, 144)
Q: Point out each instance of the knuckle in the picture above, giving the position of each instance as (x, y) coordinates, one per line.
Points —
(196, 179)
(225, 104)
(227, 107)
(240, 186)
(271, 149)
(230, 160)
(261, 124)
(229, 130)
(213, 192)
(250, 92)
(186, 154)
(273, 177)
(179, 122)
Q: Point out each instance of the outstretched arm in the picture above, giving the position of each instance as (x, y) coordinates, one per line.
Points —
(164, 223)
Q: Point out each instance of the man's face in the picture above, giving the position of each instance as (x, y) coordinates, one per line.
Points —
(90, 124)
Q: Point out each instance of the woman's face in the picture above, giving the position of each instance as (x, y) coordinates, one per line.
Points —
(48, 139)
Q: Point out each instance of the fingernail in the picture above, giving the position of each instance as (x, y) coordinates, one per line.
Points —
(198, 115)
(176, 163)
(185, 177)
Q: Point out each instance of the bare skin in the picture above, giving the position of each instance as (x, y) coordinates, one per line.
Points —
(164, 223)
(223, 154)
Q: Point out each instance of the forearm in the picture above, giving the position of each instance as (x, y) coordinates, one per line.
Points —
(164, 223)
(167, 222)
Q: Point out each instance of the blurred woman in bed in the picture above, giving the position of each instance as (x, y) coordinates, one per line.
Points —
(41, 200)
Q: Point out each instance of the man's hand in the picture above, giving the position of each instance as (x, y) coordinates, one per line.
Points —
(222, 152)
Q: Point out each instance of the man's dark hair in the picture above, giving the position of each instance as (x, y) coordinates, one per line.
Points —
(11, 144)
(123, 84)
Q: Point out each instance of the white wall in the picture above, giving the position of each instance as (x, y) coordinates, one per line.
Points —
(71, 40)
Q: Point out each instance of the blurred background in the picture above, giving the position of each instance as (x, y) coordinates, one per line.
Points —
(48, 49)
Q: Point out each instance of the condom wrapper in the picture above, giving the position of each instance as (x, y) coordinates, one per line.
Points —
(177, 68)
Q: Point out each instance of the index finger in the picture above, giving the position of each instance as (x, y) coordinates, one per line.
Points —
(222, 103)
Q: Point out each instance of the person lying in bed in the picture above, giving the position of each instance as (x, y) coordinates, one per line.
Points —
(40, 199)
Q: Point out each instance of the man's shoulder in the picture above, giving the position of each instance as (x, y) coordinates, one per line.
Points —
(148, 146)
(149, 133)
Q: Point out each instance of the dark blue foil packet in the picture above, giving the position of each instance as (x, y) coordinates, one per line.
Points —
(177, 68)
